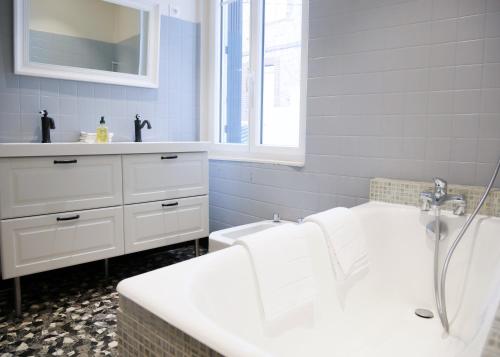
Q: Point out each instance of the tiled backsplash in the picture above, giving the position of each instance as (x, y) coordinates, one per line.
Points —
(173, 109)
(408, 193)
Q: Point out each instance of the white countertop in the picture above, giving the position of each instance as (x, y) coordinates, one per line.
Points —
(74, 149)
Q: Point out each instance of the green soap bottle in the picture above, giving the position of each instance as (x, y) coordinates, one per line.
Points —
(102, 132)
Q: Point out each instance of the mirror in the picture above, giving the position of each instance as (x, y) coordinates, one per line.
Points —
(109, 41)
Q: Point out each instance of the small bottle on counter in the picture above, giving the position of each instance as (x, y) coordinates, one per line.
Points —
(102, 136)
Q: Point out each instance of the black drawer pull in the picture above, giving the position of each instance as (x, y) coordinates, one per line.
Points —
(72, 218)
(58, 162)
(169, 157)
(170, 204)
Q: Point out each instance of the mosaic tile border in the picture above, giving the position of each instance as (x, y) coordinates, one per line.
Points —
(408, 193)
(492, 345)
(141, 333)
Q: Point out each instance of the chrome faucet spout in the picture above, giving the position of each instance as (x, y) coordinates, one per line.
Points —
(440, 196)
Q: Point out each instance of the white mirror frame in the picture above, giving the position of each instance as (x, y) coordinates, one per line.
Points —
(23, 66)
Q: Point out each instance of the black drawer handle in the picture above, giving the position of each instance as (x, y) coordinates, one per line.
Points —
(72, 218)
(169, 157)
(170, 204)
(58, 162)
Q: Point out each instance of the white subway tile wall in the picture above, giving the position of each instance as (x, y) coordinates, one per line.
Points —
(173, 109)
(405, 89)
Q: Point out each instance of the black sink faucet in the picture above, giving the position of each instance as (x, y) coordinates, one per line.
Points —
(47, 124)
(138, 127)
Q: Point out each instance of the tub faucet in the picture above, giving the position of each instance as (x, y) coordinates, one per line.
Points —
(138, 127)
(47, 125)
(276, 218)
(440, 196)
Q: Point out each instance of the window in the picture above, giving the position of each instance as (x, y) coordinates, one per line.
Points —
(259, 80)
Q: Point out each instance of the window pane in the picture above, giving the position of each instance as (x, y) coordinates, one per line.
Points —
(235, 60)
(281, 72)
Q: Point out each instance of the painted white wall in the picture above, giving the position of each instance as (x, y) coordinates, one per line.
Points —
(127, 23)
(92, 19)
(188, 10)
(85, 19)
(95, 19)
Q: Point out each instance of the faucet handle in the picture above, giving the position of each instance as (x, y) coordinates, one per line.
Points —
(440, 183)
(426, 201)
(459, 209)
(138, 117)
(459, 205)
(441, 187)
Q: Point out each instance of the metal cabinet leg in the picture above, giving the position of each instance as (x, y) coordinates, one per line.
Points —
(106, 268)
(17, 293)
(197, 247)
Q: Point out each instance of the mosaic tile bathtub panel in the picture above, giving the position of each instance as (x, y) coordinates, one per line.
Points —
(141, 333)
(492, 347)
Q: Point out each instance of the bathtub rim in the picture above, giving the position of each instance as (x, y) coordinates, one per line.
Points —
(191, 321)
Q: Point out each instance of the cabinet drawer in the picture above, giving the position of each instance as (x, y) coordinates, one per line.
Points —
(156, 224)
(34, 244)
(41, 185)
(154, 177)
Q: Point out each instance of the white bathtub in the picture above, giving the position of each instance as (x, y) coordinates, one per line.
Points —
(214, 298)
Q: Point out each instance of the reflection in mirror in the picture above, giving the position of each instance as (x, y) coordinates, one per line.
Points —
(93, 34)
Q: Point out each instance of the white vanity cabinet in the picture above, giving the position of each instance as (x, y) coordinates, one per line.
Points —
(40, 185)
(40, 243)
(164, 176)
(66, 204)
(165, 199)
(155, 224)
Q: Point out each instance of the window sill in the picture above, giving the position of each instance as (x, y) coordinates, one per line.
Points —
(262, 158)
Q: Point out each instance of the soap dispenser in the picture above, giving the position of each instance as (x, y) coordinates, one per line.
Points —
(47, 125)
(102, 132)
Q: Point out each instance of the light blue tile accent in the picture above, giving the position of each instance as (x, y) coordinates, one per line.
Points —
(30, 103)
(78, 106)
(10, 103)
(10, 125)
(49, 86)
(29, 85)
(51, 104)
(68, 88)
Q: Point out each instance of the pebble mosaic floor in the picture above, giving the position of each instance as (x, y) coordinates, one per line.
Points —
(72, 311)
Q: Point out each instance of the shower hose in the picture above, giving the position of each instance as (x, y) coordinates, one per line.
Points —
(440, 286)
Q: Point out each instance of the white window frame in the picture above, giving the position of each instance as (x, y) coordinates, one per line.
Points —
(210, 87)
